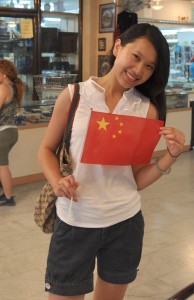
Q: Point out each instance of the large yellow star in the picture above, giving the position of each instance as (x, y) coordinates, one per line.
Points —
(102, 124)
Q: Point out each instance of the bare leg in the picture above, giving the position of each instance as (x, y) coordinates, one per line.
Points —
(56, 297)
(6, 181)
(109, 291)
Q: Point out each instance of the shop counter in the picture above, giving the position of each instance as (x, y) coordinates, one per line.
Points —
(23, 160)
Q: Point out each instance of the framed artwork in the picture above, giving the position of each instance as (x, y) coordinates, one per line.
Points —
(107, 17)
(103, 65)
(102, 44)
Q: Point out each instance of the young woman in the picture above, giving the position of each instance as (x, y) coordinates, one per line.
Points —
(105, 221)
(11, 93)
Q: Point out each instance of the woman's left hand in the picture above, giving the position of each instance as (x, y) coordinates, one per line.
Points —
(175, 140)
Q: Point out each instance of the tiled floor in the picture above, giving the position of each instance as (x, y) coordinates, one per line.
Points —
(167, 264)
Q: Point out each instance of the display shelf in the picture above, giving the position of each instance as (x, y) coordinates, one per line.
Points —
(27, 4)
(71, 7)
(34, 112)
(176, 98)
(39, 112)
(179, 36)
(19, 50)
(48, 87)
(60, 37)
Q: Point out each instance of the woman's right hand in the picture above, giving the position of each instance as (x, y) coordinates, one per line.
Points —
(66, 187)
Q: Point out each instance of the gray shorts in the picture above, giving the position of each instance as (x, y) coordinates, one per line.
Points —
(73, 252)
(8, 138)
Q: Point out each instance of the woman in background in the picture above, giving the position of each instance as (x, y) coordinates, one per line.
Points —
(11, 93)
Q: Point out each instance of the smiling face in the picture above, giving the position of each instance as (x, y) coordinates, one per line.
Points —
(135, 62)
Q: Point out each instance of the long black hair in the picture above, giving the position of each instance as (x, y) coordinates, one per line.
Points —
(154, 87)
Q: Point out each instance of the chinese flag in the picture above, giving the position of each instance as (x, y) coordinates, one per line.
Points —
(120, 140)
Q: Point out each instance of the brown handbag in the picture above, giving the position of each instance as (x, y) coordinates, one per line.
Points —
(44, 210)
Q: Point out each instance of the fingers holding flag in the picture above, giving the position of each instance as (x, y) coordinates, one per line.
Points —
(66, 187)
(175, 140)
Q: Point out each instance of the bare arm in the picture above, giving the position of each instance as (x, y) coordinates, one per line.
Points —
(47, 151)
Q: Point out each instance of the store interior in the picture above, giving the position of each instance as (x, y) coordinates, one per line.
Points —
(57, 43)
(54, 43)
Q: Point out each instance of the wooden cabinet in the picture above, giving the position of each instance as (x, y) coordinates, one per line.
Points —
(60, 42)
(49, 39)
(68, 42)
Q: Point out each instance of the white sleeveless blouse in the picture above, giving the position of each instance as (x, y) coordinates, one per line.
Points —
(106, 194)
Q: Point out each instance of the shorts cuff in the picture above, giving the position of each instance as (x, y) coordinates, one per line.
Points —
(69, 289)
(124, 278)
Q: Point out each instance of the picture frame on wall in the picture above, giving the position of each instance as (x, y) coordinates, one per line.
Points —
(102, 44)
(103, 65)
(107, 16)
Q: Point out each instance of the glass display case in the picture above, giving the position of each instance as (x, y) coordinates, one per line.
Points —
(40, 111)
(42, 37)
(177, 99)
(49, 86)
(60, 38)
(67, 6)
(17, 43)
(180, 38)
(181, 45)
(21, 4)
(34, 112)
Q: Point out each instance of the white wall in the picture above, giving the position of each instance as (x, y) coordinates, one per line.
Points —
(171, 10)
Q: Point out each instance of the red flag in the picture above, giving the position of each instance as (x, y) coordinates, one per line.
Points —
(120, 140)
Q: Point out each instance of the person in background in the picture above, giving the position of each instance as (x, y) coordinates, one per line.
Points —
(191, 68)
(104, 223)
(11, 93)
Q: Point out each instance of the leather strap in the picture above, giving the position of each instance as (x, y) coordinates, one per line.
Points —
(72, 110)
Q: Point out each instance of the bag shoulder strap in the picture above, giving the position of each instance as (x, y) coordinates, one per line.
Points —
(72, 110)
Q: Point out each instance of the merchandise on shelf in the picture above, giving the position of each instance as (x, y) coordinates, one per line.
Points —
(48, 87)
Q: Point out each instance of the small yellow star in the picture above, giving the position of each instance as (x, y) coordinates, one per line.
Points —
(102, 124)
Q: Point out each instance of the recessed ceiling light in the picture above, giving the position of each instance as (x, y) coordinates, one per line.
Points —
(157, 5)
